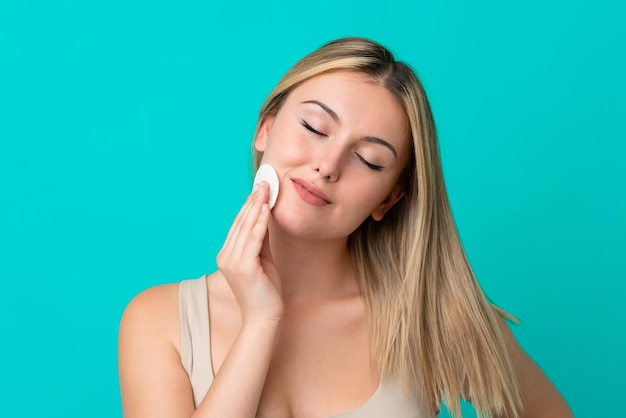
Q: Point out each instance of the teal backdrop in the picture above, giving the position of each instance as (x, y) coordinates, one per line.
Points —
(125, 129)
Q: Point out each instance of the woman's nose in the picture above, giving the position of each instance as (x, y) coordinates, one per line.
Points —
(328, 162)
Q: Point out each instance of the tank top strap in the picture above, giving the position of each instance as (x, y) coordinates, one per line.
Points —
(195, 345)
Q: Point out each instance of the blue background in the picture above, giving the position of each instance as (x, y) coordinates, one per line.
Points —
(125, 130)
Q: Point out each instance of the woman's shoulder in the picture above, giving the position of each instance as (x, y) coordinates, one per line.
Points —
(154, 300)
(158, 300)
(156, 309)
(149, 361)
(153, 312)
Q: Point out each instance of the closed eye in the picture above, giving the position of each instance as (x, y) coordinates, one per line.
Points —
(370, 165)
(311, 129)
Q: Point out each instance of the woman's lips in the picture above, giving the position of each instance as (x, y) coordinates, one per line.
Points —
(309, 193)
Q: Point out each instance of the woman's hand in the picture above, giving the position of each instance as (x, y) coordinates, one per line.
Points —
(152, 379)
(246, 262)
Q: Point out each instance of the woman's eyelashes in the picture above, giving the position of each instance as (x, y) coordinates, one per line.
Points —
(361, 159)
(312, 129)
(368, 164)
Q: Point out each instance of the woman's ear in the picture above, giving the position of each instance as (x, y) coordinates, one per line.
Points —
(260, 142)
(394, 196)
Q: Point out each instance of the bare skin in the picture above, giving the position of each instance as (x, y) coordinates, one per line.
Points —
(302, 353)
(288, 325)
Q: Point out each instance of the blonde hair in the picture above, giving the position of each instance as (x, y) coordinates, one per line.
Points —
(430, 323)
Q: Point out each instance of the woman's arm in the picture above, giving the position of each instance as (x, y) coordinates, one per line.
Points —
(539, 396)
(237, 387)
(152, 380)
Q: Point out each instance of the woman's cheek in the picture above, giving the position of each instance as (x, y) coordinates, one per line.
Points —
(293, 149)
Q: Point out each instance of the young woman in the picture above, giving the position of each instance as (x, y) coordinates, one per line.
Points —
(352, 297)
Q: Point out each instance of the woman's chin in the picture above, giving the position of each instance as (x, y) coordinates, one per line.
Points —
(297, 225)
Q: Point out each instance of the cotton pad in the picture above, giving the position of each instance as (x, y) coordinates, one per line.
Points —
(267, 173)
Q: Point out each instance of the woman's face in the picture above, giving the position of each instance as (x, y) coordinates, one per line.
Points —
(339, 144)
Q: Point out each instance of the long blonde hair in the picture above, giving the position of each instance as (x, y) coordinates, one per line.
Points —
(430, 323)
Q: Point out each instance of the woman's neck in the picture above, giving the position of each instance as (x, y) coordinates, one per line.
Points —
(312, 269)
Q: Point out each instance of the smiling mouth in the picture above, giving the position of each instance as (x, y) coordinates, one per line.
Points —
(310, 194)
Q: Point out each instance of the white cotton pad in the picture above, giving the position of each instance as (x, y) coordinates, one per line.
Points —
(267, 173)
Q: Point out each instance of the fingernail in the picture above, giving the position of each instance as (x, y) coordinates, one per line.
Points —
(255, 188)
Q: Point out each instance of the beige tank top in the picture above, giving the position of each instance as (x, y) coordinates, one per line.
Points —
(389, 399)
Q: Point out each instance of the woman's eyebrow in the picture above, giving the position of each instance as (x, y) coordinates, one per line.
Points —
(382, 142)
(326, 108)
(333, 115)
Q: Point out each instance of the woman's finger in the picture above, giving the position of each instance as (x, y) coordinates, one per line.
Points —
(252, 247)
(241, 218)
(243, 238)
(239, 234)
